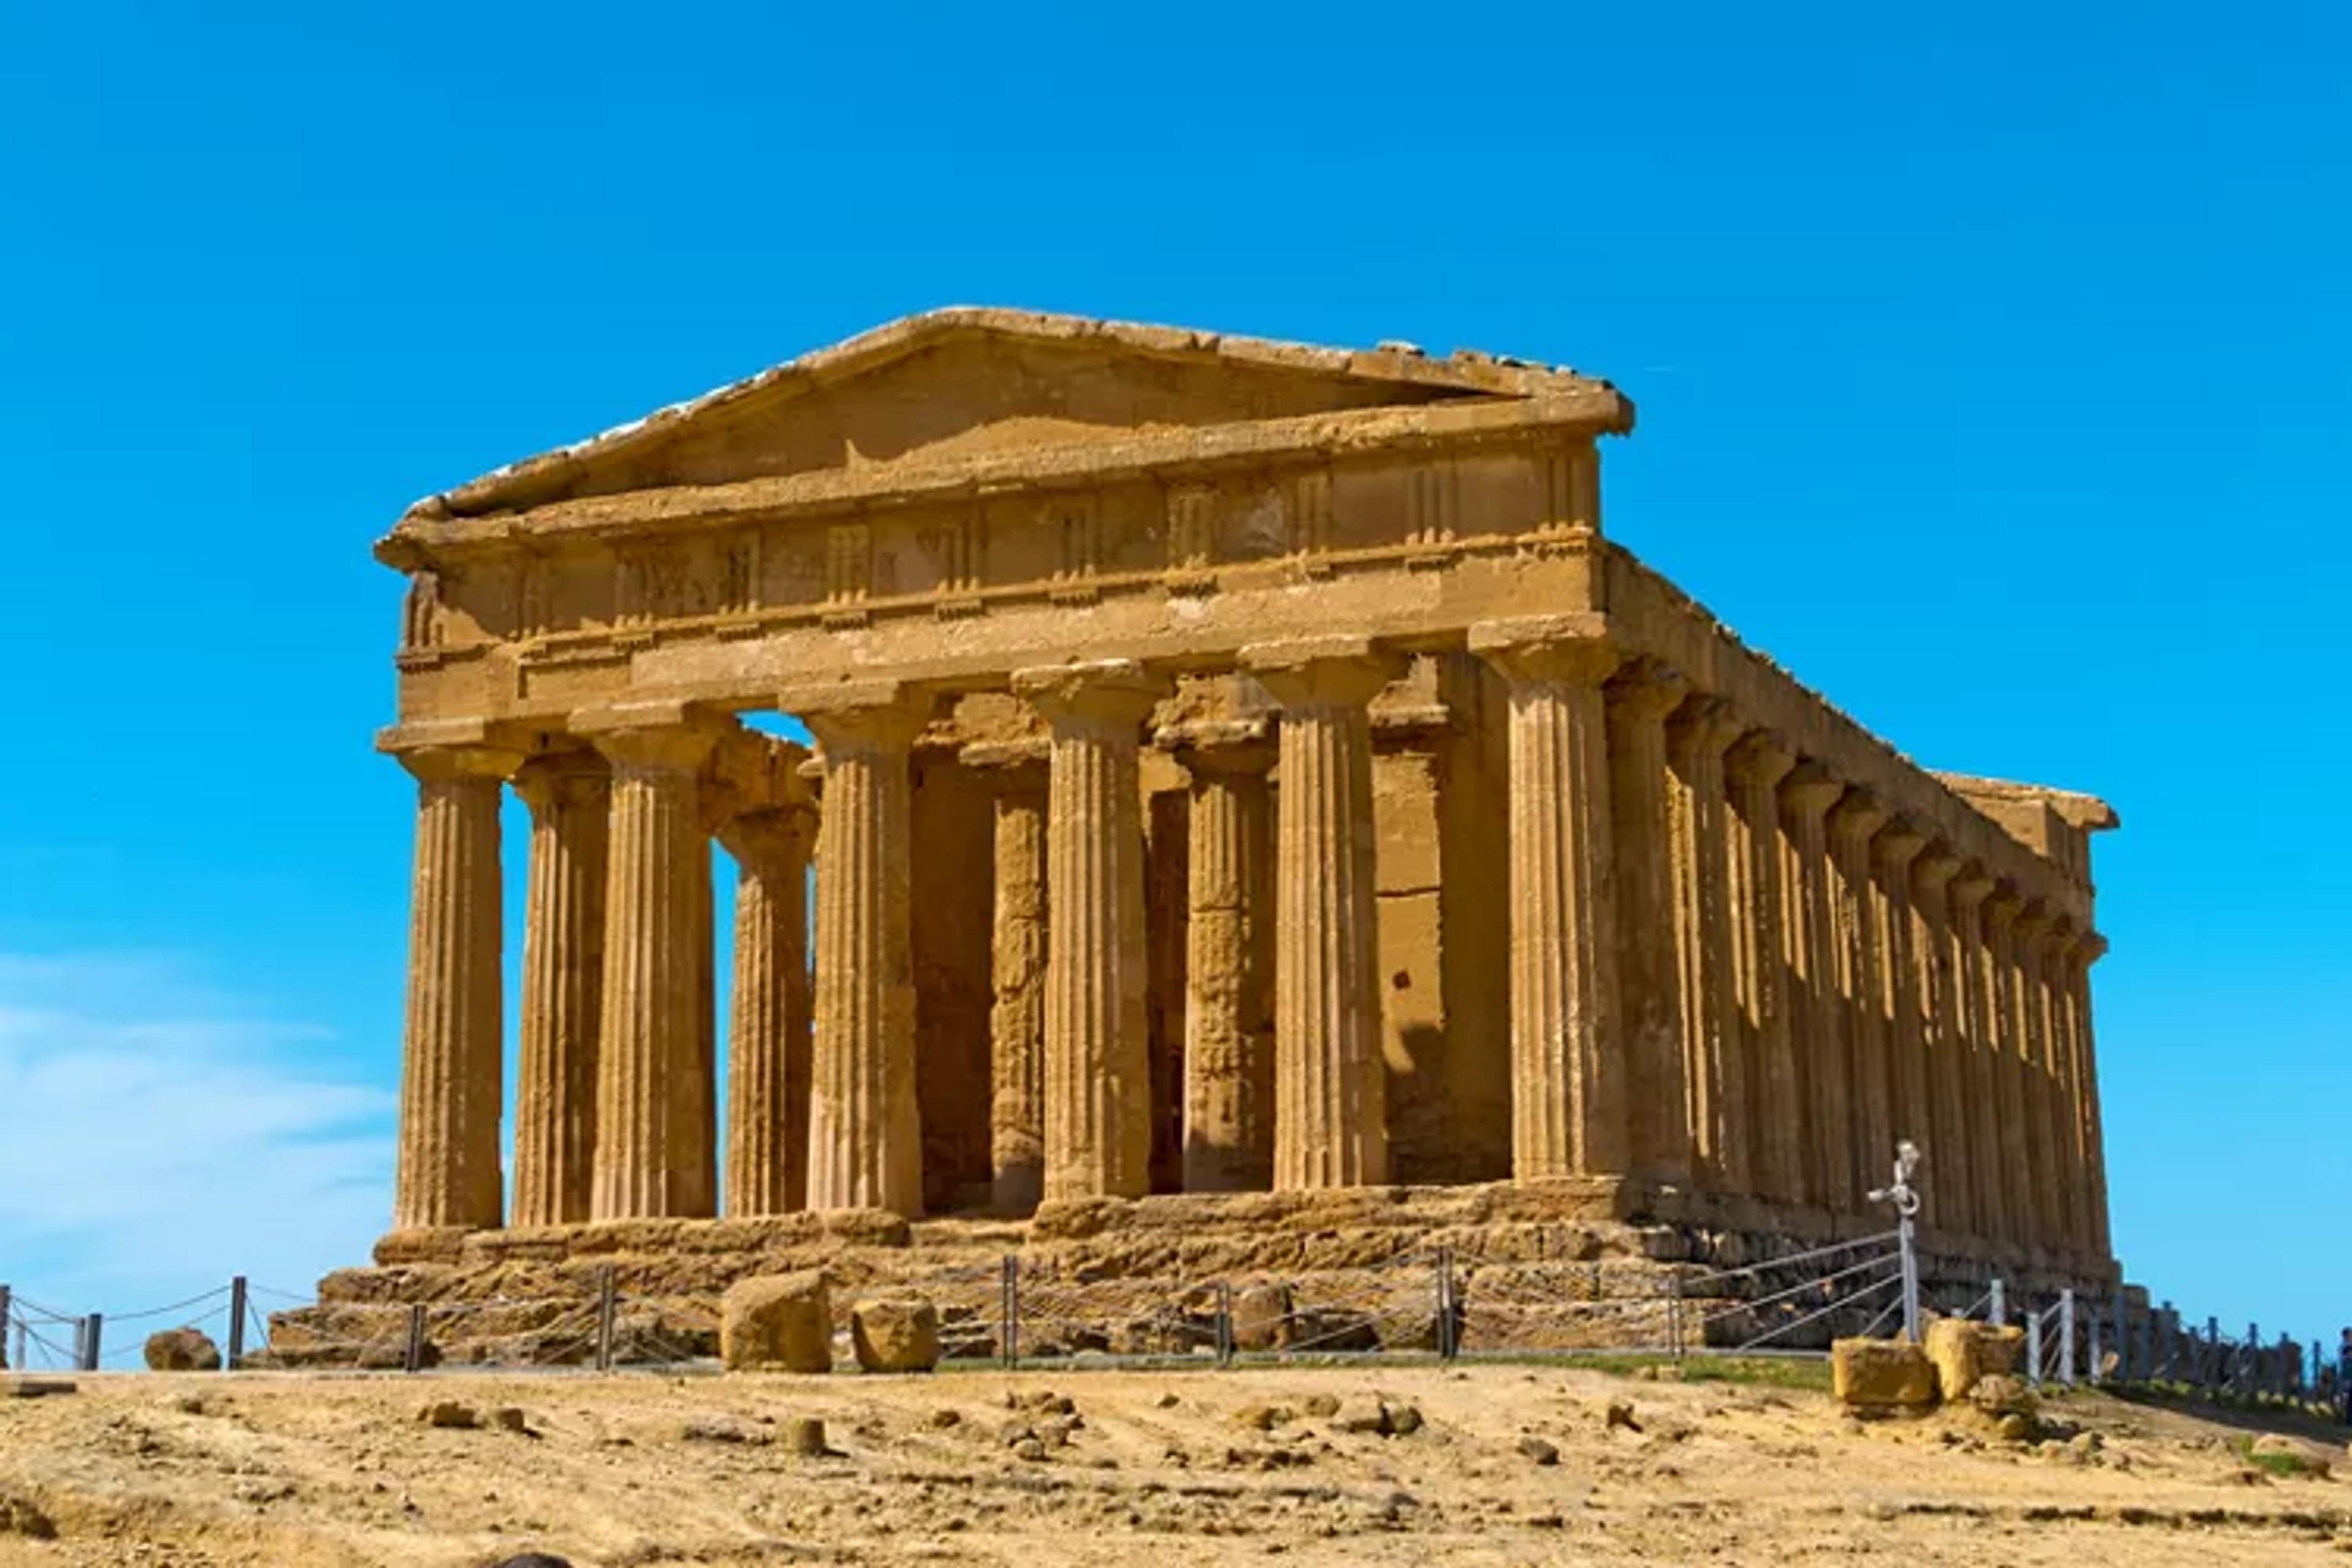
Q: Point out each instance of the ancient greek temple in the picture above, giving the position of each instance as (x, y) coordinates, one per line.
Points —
(1237, 766)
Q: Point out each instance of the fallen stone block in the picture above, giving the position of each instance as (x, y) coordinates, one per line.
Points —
(181, 1350)
(1963, 1352)
(1882, 1376)
(776, 1322)
(897, 1333)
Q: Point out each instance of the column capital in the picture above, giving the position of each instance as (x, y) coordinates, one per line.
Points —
(562, 778)
(2034, 921)
(1114, 693)
(861, 715)
(2090, 948)
(1646, 688)
(1224, 747)
(1807, 790)
(1936, 867)
(1328, 671)
(1857, 816)
(1897, 844)
(770, 837)
(2004, 905)
(661, 737)
(1760, 759)
(1970, 886)
(1570, 649)
(440, 751)
(1704, 724)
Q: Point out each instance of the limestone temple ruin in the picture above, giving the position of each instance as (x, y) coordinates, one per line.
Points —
(1239, 767)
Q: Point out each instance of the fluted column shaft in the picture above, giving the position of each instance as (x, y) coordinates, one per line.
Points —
(1823, 1091)
(1857, 984)
(2078, 976)
(1649, 984)
(1979, 1036)
(1910, 1092)
(769, 1005)
(1756, 766)
(2013, 1149)
(1229, 938)
(866, 1147)
(653, 968)
(1331, 1088)
(570, 798)
(2028, 939)
(1715, 1070)
(1097, 1060)
(450, 1082)
(1571, 1108)
(1016, 1015)
(1935, 954)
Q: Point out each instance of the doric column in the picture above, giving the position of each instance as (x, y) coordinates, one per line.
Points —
(1935, 965)
(1754, 768)
(694, 1104)
(2091, 949)
(570, 796)
(2028, 940)
(2010, 1147)
(1569, 1100)
(1229, 957)
(1097, 1063)
(768, 1041)
(2059, 956)
(865, 1145)
(1715, 1070)
(1016, 1015)
(1857, 991)
(651, 1013)
(1979, 1037)
(450, 1080)
(1825, 1119)
(1331, 1116)
(1648, 983)
(1910, 1092)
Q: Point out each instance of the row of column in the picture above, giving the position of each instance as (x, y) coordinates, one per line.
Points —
(1729, 969)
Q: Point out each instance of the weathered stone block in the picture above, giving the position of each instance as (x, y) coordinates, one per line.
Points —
(1261, 1317)
(897, 1333)
(776, 1322)
(1963, 1353)
(1882, 1376)
(181, 1350)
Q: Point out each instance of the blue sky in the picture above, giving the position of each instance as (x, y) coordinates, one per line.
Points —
(1991, 364)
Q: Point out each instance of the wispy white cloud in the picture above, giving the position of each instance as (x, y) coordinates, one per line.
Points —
(157, 1136)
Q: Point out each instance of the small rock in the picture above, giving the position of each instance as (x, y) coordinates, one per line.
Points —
(1404, 1420)
(532, 1560)
(189, 1404)
(21, 1516)
(1029, 1448)
(1320, 1404)
(2003, 1395)
(804, 1436)
(1262, 1417)
(449, 1413)
(1165, 1401)
(1538, 1449)
(718, 1429)
(509, 1418)
(1362, 1415)
(1621, 1414)
(2013, 1427)
(34, 1387)
(943, 1418)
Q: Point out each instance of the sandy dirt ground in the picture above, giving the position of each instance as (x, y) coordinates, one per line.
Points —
(984, 1468)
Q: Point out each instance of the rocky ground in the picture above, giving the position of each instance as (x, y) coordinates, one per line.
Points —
(1485, 1464)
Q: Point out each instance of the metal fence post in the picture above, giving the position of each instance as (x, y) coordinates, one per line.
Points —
(1011, 1312)
(1675, 1316)
(235, 1361)
(2344, 1376)
(1446, 1348)
(2033, 1347)
(7, 1310)
(413, 1359)
(1997, 1313)
(2123, 1341)
(1224, 1322)
(2250, 1377)
(20, 1342)
(93, 1326)
(2097, 1372)
(606, 1306)
(2066, 1337)
(2168, 1327)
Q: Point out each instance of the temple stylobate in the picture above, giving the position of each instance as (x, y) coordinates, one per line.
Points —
(1237, 767)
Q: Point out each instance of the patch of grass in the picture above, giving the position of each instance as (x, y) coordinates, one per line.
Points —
(2282, 1464)
(1807, 1373)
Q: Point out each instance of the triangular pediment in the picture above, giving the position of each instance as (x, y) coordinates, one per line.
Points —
(977, 383)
